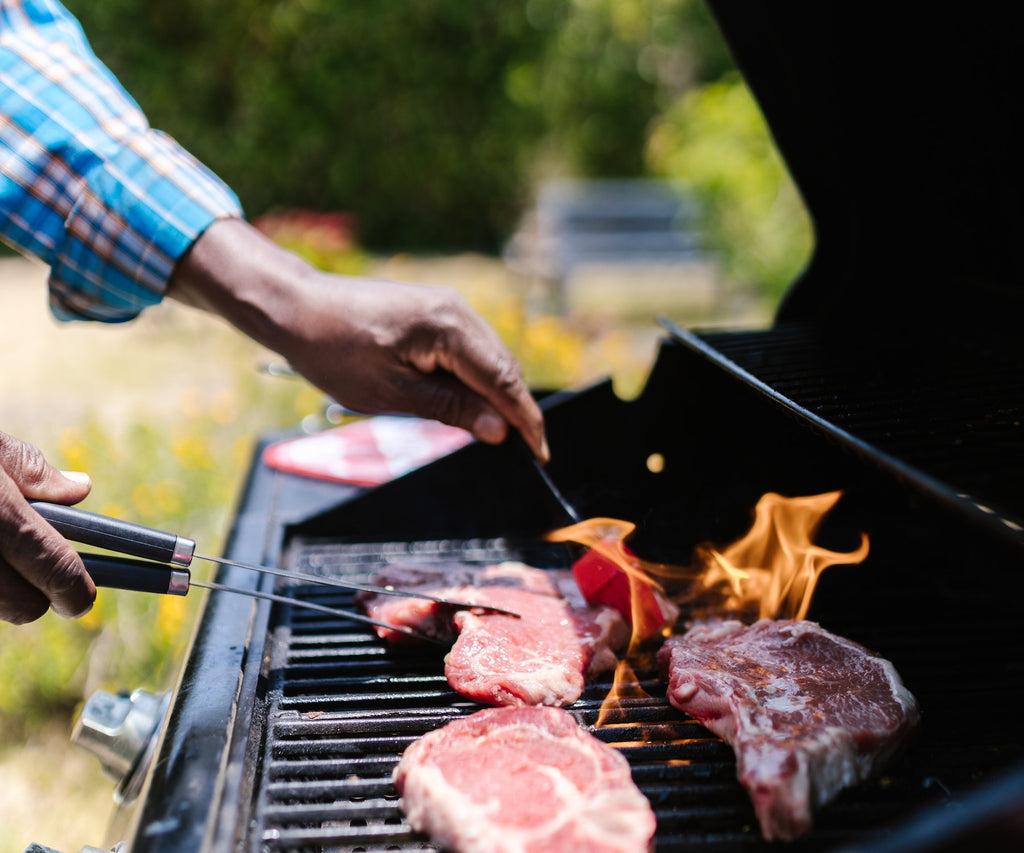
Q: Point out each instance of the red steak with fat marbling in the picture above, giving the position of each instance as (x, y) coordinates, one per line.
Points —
(541, 658)
(522, 780)
(807, 713)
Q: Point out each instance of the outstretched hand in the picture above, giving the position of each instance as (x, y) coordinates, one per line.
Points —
(375, 346)
(38, 568)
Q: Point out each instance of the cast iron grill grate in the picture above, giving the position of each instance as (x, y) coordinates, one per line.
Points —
(342, 707)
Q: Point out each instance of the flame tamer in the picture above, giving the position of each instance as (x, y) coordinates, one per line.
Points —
(166, 556)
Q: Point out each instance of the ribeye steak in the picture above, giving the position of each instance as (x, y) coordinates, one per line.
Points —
(807, 713)
(541, 658)
(522, 780)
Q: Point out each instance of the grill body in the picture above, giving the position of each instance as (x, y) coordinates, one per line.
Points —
(318, 711)
(893, 373)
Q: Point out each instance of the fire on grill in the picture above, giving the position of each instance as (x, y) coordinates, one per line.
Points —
(333, 708)
(808, 713)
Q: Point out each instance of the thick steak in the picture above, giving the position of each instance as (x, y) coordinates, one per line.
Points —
(505, 780)
(541, 658)
(807, 713)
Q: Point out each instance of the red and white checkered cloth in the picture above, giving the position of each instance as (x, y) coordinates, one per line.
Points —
(367, 452)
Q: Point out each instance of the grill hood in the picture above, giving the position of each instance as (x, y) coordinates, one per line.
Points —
(903, 132)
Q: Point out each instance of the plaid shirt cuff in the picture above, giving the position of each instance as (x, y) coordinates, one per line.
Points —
(85, 184)
(136, 214)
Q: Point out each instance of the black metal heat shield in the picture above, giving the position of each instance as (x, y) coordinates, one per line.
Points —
(722, 441)
(675, 461)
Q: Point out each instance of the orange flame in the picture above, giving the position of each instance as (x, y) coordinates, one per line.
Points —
(771, 572)
(650, 611)
(642, 595)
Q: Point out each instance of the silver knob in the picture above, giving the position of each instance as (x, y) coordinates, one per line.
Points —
(119, 729)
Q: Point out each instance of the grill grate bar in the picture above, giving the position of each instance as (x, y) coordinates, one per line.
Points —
(314, 673)
(341, 746)
(334, 725)
(358, 834)
(397, 701)
(337, 768)
(377, 809)
(332, 788)
(370, 557)
(328, 684)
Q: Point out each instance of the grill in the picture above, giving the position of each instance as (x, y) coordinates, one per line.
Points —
(342, 708)
(951, 410)
(325, 709)
(893, 372)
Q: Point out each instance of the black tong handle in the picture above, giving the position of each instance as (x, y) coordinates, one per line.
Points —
(135, 575)
(101, 531)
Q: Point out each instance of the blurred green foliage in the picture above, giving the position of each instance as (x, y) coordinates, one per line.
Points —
(399, 112)
(609, 67)
(426, 120)
(714, 139)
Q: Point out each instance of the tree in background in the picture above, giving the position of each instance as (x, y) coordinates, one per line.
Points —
(431, 121)
(396, 111)
(610, 67)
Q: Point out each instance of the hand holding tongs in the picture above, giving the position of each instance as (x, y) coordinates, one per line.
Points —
(163, 568)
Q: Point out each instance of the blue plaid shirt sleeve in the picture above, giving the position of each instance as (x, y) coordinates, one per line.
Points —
(85, 184)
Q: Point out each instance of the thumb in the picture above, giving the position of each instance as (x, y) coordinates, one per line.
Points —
(36, 478)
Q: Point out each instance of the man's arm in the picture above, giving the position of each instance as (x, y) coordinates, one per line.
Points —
(114, 206)
(118, 210)
(375, 346)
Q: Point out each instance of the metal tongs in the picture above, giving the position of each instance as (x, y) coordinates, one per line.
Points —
(163, 558)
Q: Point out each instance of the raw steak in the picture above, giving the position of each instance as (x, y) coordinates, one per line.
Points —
(807, 713)
(505, 780)
(540, 658)
(457, 582)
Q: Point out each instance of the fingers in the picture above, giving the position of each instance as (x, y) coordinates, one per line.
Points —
(38, 568)
(490, 393)
(36, 478)
(373, 345)
(20, 602)
(498, 403)
(441, 396)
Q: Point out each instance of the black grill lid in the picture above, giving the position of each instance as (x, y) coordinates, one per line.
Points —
(902, 127)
